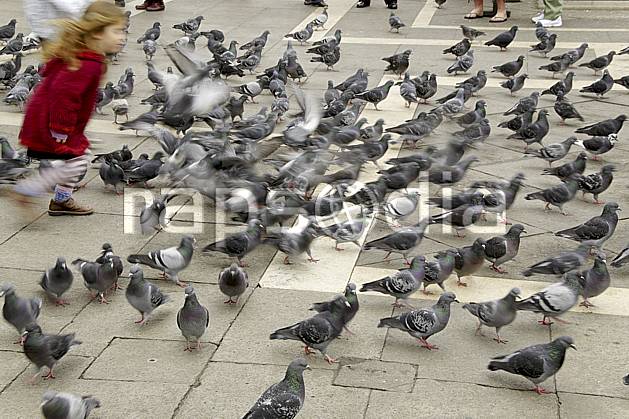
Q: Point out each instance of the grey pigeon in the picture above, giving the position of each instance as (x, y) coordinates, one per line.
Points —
(19, 312)
(318, 331)
(424, 323)
(152, 217)
(14, 46)
(303, 35)
(564, 262)
(152, 33)
(395, 23)
(461, 217)
(454, 105)
(192, 319)
(233, 282)
(459, 48)
(596, 230)
(564, 86)
(476, 82)
(448, 175)
(57, 280)
(7, 31)
(377, 94)
(534, 132)
(350, 312)
(294, 241)
(545, 45)
(143, 295)
(557, 195)
(437, 271)
(604, 128)
(97, 277)
(471, 33)
(515, 84)
(285, 399)
(321, 19)
(170, 261)
(556, 66)
(596, 280)
(496, 313)
(348, 231)
(511, 68)
(503, 39)
(541, 33)
(112, 174)
(478, 132)
(573, 55)
(525, 104)
(565, 109)
(501, 249)
(190, 25)
(601, 86)
(623, 81)
(46, 350)
(67, 406)
(600, 63)
(597, 183)
(474, 116)
(108, 93)
(555, 299)
(398, 63)
(150, 48)
(403, 241)
(555, 151)
(408, 91)
(536, 363)
(575, 167)
(468, 260)
(462, 64)
(401, 206)
(401, 284)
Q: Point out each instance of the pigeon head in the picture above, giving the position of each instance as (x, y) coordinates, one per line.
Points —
(61, 263)
(298, 365)
(515, 292)
(582, 156)
(479, 243)
(188, 241)
(418, 261)
(513, 29)
(189, 291)
(447, 298)
(565, 342)
(32, 328)
(350, 288)
(600, 257)
(7, 289)
(136, 271)
(611, 208)
(90, 403)
(255, 225)
(516, 230)
(157, 25)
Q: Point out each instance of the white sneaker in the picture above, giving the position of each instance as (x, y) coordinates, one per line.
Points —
(537, 17)
(551, 23)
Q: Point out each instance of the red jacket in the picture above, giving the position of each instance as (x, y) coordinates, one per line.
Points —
(63, 102)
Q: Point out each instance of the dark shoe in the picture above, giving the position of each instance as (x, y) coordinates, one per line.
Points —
(143, 6)
(156, 6)
(120, 3)
(392, 5)
(363, 3)
(69, 207)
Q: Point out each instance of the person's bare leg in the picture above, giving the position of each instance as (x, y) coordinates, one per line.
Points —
(478, 8)
(501, 13)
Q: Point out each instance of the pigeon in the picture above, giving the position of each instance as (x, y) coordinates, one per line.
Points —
(564, 262)
(564, 86)
(233, 282)
(348, 231)
(504, 39)
(501, 249)
(600, 86)
(99, 277)
(401, 206)
(398, 63)
(556, 66)
(565, 109)
(604, 128)
(318, 331)
(395, 23)
(599, 144)
(67, 406)
(515, 84)
(258, 42)
(46, 350)
(57, 280)
(403, 241)
(474, 133)
(294, 241)
(471, 33)
(150, 48)
(7, 31)
(401, 284)
(377, 94)
(14, 46)
(596, 230)
(600, 63)
(573, 55)
(192, 319)
(536, 363)
(468, 260)
(152, 33)
(320, 21)
(597, 183)
(190, 25)
(555, 151)
(449, 175)
(557, 195)
(437, 271)
(459, 48)
(555, 299)
(511, 68)
(170, 261)
(303, 35)
(545, 45)
(424, 323)
(108, 93)
(462, 64)
(461, 217)
(623, 81)
(112, 174)
(564, 171)
(251, 89)
(352, 299)
(143, 295)
(474, 116)
(153, 216)
(525, 104)
(284, 399)
(596, 280)
(427, 89)
(496, 313)
(408, 91)
(19, 312)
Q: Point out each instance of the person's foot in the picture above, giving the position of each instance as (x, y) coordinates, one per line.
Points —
(155, 6)
(363, 3)
(120, 3)
(538, 17)
(555, 23)
(69, 207)
(474, 14)
(143, 6)
(392, 5)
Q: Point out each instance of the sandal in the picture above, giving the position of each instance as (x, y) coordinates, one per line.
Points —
(496, 19)
(473, 15)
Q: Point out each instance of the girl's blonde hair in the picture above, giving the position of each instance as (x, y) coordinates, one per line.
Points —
(76, 33)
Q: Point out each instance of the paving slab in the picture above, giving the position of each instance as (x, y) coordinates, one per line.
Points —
(584, 405)
(378, 375)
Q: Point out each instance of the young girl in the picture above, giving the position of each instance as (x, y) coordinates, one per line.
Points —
(61, 106)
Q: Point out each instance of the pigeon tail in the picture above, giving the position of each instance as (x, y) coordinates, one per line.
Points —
(286, 333)
(499, 365)
(534, 195)
(377, 286)
(393, 322)
(141, 259)
(472, 308)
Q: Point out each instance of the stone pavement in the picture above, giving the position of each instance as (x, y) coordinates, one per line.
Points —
(142, 372)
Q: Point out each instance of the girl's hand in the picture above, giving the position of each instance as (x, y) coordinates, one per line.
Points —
(59, 137)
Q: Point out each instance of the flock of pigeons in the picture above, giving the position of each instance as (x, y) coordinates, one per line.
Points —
(272, 178)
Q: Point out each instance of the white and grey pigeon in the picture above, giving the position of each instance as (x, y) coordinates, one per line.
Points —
(555, 299)
(192, 319)
(57, 405)
(423, 323)
(170, 261)
(401, 284)
(401, 206)
(143, 295)
(57, 280)
(233, 282)
(536, 363)
(395, 23)
(496, 313)
(285, 399)
(17, 311)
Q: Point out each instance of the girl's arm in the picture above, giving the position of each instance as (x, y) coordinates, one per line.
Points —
(74, 8)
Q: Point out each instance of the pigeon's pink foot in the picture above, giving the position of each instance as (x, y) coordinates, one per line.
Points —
(500, 340)
(313, 260)
(539, 390)
(61, 302)
(497, 269)
(586, 304)
(545, 322)
(461, 284)
(287, 261)
(338, 249)
(308, 351)
(427, 345)
(50, 375)
(329, 359)
(427, 292)
(230, 301)
(242, 264)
